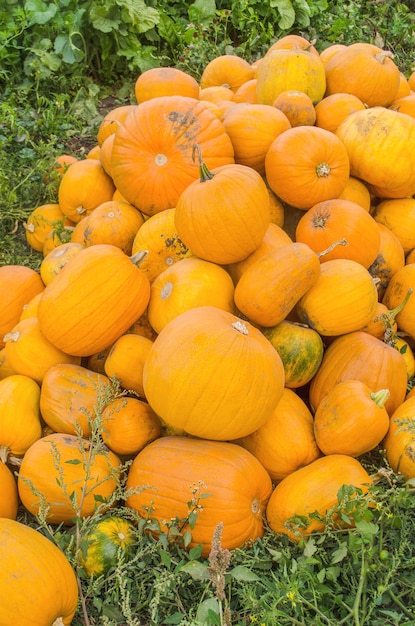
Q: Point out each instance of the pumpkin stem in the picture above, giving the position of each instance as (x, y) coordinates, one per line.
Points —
(139, 257)
(240, 327)
(323, 170)
(4, 453)
(339, 242)
(58, 622)
(380, 397)
(382, 56)
(205, 173)
(394, 312)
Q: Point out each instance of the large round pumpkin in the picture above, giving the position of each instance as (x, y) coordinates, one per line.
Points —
(218, 481)
(8, 493)
(213, 375)
(401, 282)
(38, 585)
(399, 443)
(97, 296)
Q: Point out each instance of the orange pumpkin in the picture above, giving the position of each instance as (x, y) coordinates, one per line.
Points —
(165, 81)
(224, 484)
(225, 384)
(399, 442)
(246, 92)
(57, 237)
(330, 51)
(81, 320)
(356, 191)
(293, 42)
(70, 398)
(228, 70)
(5, 368)
(297, 106)
(314, 488)
(125, 361)
(300, 177)
(404, 104)
(8, 492)
(223, 216)
(401, 282)
(67, 478)
(390, 258)
(272, 442)
(333, 109)
(30, 309)
(351, 419)
(398, 214)
(152, 161)
(105, 154)
(57, 258)
(112, 121)
(41, 221)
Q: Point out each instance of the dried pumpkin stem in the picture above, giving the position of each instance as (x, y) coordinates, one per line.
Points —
(323, 170)
(205, 173)
(394, 312)
(339, 242)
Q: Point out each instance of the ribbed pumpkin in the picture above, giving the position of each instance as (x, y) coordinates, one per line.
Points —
(19, 396)
(402, 281)
(112, 121)
(66, 478)
(41, 221)
(57, 258)
(56, 238)
(301, 350)
(223, 216)
(5, 368)
(297, 107)
(18, 285)
(30, 309)
(128, 425)
(389, 166)
(399, 443)
(300, 177)
(8, 493)
(398, 214)
(93, 301)
(226, 69)
(271, 287)
(405, 104)
(314, 488)
(333, 109)
(223, 483)
(213, 375)
(165, 81)
(152, 153)
(342, 300)
(192, 282)
(390, 258)
(38, 585)
(356, 191)
(70, 396)
(125, 361)
(106, 544)
(360, 356)
(351, 419)
(272, 442)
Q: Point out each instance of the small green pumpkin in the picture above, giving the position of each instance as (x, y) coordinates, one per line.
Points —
(108, 542)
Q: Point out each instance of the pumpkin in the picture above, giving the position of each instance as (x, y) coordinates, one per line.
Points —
(30, 309)
(399, 443)
(25, 342)
(398, 214)
(218, 481)
(271, 287)
(252, 128)
(327, 222)
(38, 585)
(57, 237)
(287, 69)
(401, 282)
(314, 489)
(84, 186)
(404, 347)
(330, 51)
(19, 396)
(57, 258)
(5, 368)
(333, 109)
(70, 398)
(301, 350)
(125, 361)
(367, 72)
(142, 327)
(351, 419)
(191, 283)
(404, 104)
(390, 258)
(165, 81)
(246, 92)
(226, 382)
(41, 221)
(60, 164)
(151, 162)
(94, 152)
(105, 154)
(272, 445)
(66, 478)
(388, 168)
(106, 544)
(360, 356)
(81, 320)
(342, 299)
(112, 120)
(8, 493)
(302, 178)
(227, 69)
(113, 222)
(18, 285)
(159, 238)
(293, 42)
(297, 107)
(404, 88)
(216, 94)
(356, 191)
(128, 425)
(223, 216)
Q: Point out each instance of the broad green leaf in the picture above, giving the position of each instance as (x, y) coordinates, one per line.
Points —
(240, 572)
(197, 570)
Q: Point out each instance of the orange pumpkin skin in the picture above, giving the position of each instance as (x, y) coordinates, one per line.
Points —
(390, 258)
(5, 367)
(112, 121)
(356, 191)
(80, 320)
(333, 109)
(313, 488)
(388, 168)
(125, 361)
(57, 258)
(237, 484)
(68, 397)
(332, 220)
(404, 104)
(57, 237)
(227, 69)
(37, 583)
(302, 178)
(342, 300)
(271, 287)
(223, 216)
(272, 442)
(382, 325)
(398, 214)
(297, 106)
(351, 419)
(293, 42)
(18, 285)
(91, 479)
(8, 492)
(165, 81)
(246, 92)
(151, 160)
(192, 282)
(399, 442)
(227, 381)
(399, 284)
(360, 356)
(41, 221)
(128, 425)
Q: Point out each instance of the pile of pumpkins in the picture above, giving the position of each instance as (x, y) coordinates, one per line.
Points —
(238, 254)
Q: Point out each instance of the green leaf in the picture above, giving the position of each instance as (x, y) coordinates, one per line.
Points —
(207, 611)
(196, 569)
(240, 572)
(286, 11)
(175, 618)
(39, 12)
(165, 558)
(202, 11)
(340, 553)
(367, 528)
(73, 462)
(105, 20)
